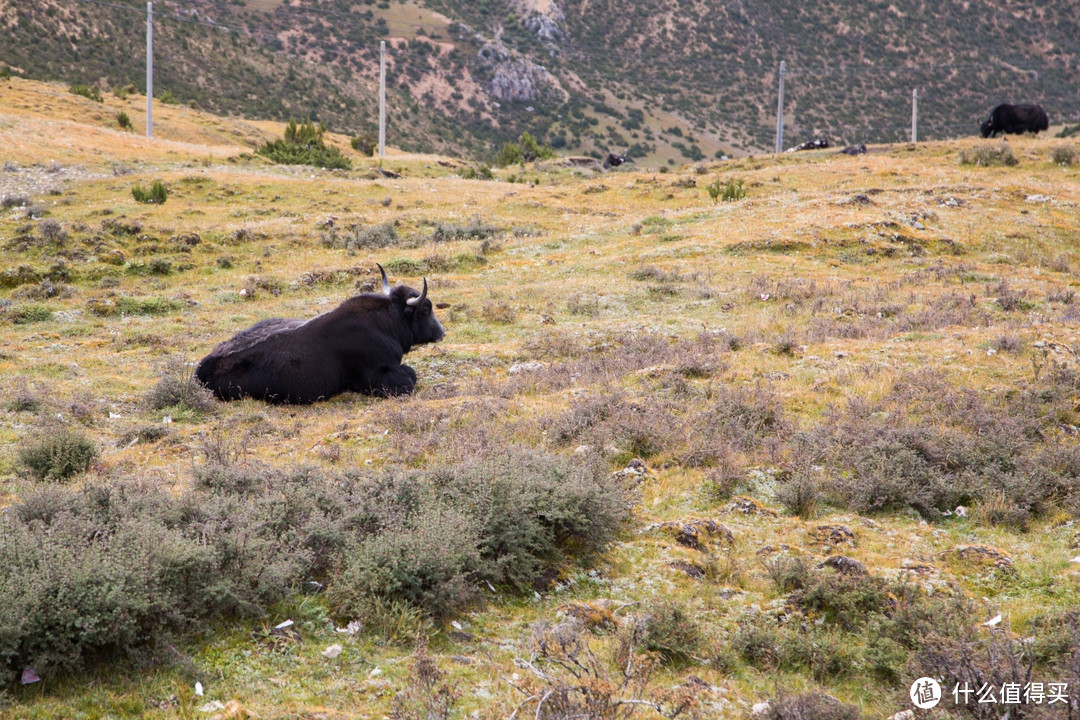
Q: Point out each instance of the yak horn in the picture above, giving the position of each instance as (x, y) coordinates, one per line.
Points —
(385, 282)
(417, 300)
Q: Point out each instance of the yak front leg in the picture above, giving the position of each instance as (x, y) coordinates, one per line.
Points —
(394, 380)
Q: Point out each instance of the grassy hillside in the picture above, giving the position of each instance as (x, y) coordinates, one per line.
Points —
(674, 81)
(735, 434)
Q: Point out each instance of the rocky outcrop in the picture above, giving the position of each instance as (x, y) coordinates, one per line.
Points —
(509, 75)
(515, 78)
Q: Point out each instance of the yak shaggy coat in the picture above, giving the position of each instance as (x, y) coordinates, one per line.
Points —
(357, 346)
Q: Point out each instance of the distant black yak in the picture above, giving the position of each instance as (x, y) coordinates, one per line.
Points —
(613, 160)
(858, 149)
(1015, 120)
(357, 346)
(815, 144)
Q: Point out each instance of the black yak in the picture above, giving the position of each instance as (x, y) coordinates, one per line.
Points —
(357, 346)
(815, 144)
(1015, 120)
(859, 149)
(613, 160)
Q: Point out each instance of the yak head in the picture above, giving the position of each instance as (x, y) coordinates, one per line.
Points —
(987, 127)
(416, 310)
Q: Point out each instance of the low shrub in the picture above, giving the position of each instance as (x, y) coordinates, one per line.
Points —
(508, 520)
(427, 694)
(424, 559)
(87, 91)
(800, 494)
(931, 447)
(123, 120)
(477, 172)
(394, 621)
(303, 145)
(734, 189)
(30, 313)
(519, 153)
(121, 569)
(364, 144)
(111, 570)
(53, 232)
(670, 632)
(846, 600)
(156, 195)
(57, 454)
(360, 237)
(127, 305)
(986, 156)
(826, 655)
(756, 643)
(179, 387)
(818, 706)
(476, 228)
(787, 572)
(1064, 155)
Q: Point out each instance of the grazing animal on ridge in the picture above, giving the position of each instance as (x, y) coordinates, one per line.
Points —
(1015, 120)
(357, 346)
(815, 144)
(613, 160)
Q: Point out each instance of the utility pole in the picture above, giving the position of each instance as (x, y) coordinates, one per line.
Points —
(914, 114)
(149, 69)
(780, 112)
(382, 99)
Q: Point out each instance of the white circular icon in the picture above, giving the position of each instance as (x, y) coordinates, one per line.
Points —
(925, 693)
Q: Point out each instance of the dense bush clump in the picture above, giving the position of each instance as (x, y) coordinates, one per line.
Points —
(122, 568)
(364, 144)
(931, 447)
(987, 156)
(87, 91)
(178, 387)
(476, 228)
(1064, 155)
(527, 150)
(304, 145)
(57, 454)
(508, 520)
(156, 195)
(668, 630)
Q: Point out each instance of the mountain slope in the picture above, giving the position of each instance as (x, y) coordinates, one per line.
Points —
(674, 80)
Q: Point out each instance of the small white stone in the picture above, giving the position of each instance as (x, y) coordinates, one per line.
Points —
(332, 652)
(760, 708)
(198, 689)
(994, 621)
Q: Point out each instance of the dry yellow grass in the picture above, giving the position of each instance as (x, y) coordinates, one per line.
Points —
(822, 243)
